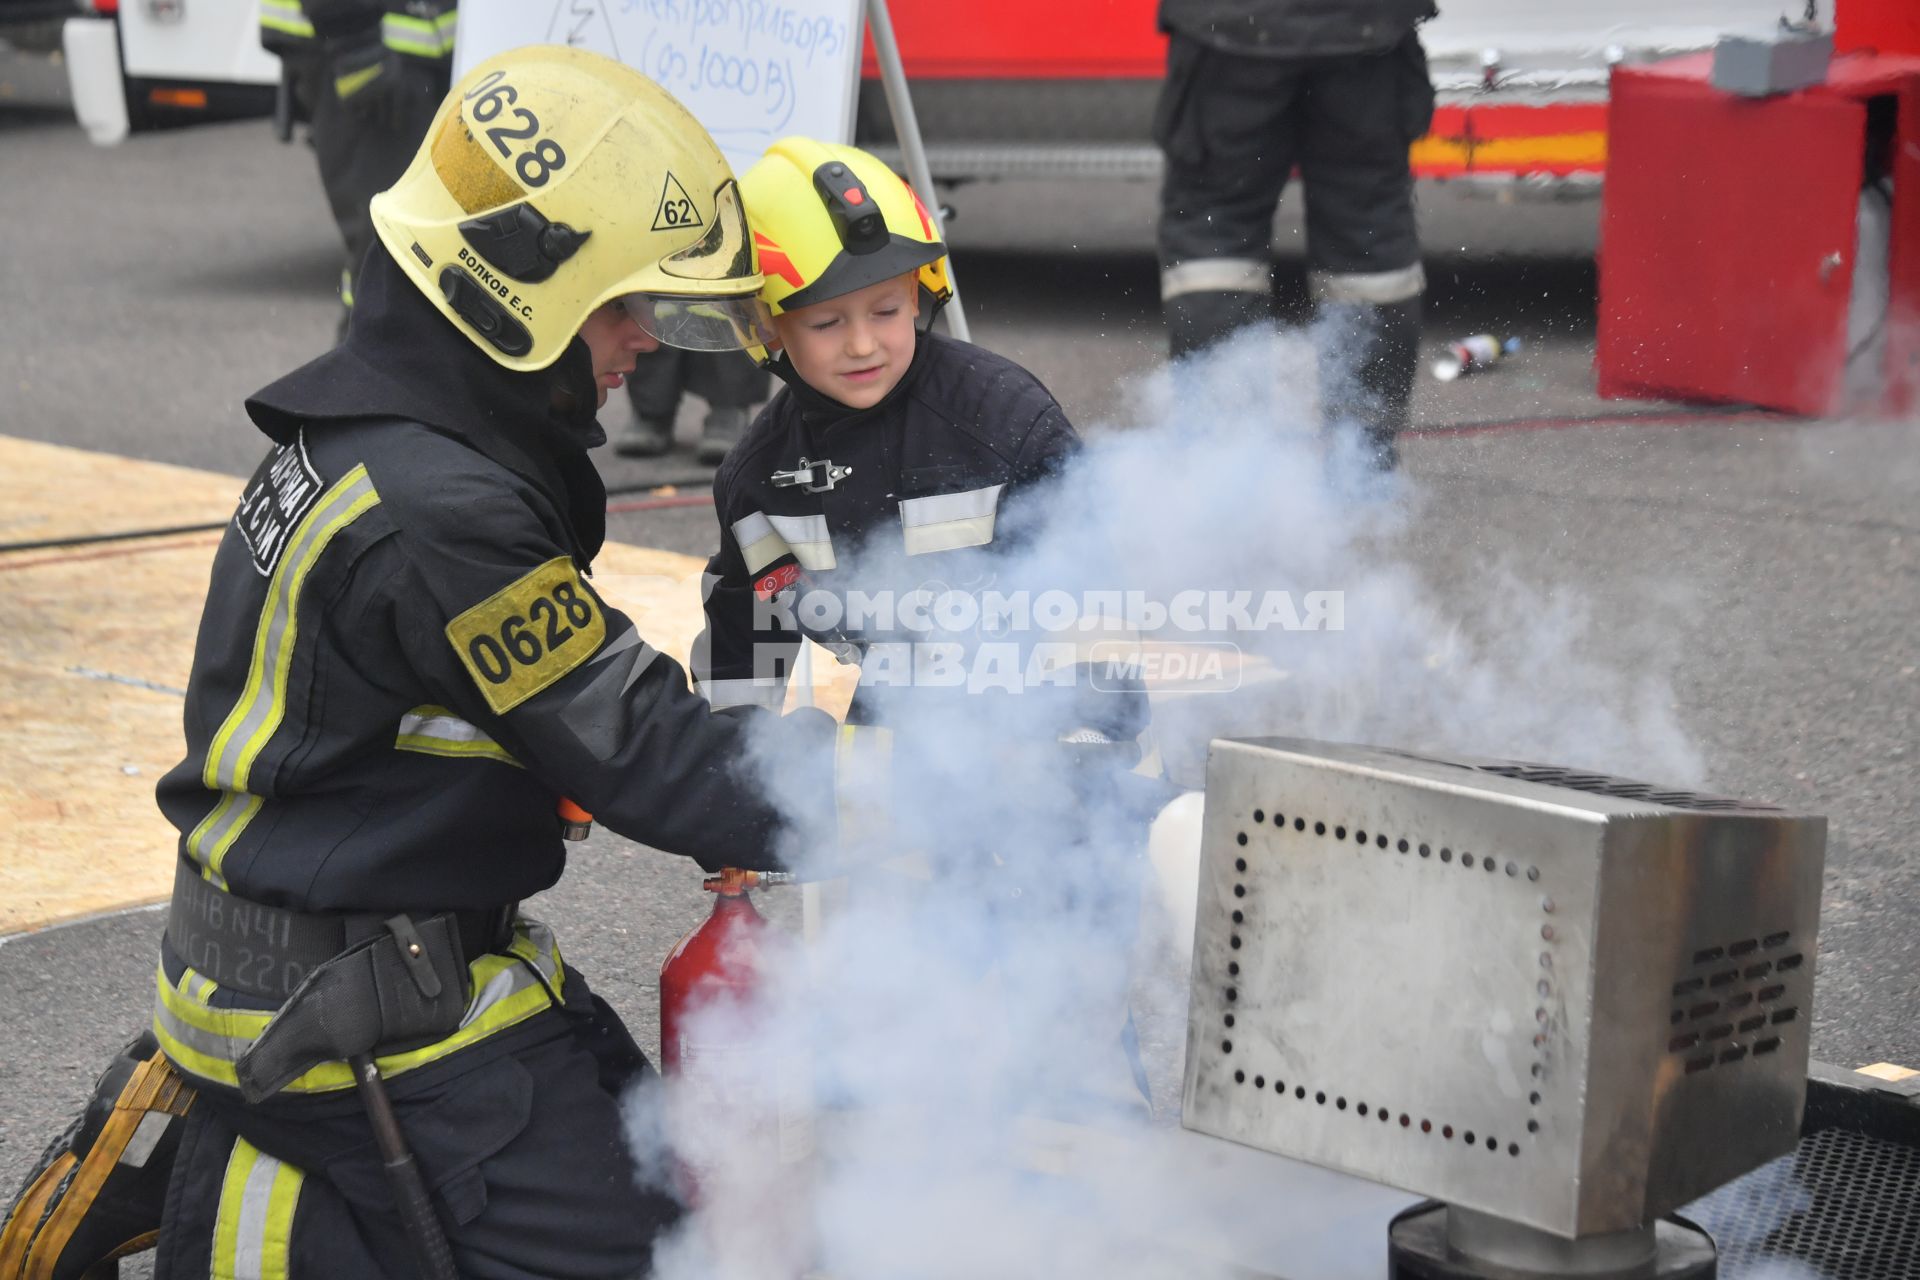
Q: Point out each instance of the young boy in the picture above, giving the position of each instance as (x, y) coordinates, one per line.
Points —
(897, 461)
(894, 457)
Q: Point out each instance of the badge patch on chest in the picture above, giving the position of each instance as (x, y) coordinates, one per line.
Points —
(526, 636)
(283, 491)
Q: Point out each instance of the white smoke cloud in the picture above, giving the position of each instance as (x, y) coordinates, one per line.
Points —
(971, 991)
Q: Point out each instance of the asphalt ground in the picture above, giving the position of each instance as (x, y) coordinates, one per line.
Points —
(1768, 568)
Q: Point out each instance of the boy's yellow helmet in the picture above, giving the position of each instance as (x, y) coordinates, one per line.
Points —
(829, 219)
(553, 181)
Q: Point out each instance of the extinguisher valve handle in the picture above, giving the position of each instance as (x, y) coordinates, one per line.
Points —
(734, 880)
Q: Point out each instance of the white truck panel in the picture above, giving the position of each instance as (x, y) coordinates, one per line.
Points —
(209, 40)
(1581, 31)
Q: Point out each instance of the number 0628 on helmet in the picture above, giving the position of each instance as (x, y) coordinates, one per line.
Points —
(554, 181)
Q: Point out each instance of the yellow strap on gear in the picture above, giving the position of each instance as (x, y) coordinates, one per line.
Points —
(58, 1201)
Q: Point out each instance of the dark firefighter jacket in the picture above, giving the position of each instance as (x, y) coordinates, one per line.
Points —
(401, 667)
(1295, 28)
(422, 29)
(945, 480)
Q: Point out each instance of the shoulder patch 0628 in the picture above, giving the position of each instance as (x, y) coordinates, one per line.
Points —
(527, 635)
(283, 490)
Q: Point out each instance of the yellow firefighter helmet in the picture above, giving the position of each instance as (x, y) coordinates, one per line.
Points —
(554, 181)
(828, 220)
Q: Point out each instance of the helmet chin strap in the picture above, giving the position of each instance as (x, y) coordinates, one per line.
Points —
(931, 305)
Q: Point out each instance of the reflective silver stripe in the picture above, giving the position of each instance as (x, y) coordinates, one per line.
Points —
(759, 545)
(263, 703)
(437, 731)
(405, 34)
(510, 985)
(210, 1043)
(721, 694)
(807, 535)
(1377, 287)
(208, 843)
(285, 15)
(944, 521)
(438, 722)
(1216, 275)
(251, 1246)
(253, 1226)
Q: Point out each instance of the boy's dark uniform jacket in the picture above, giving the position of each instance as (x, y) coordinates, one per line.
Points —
(402, 665)
(944, 479)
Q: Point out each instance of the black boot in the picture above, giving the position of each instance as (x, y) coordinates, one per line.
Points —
(646, 438)
(1368, 354)
(721, 431)
(97, 1192)
(1195, 321)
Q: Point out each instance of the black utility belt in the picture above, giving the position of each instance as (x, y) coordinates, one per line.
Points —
(348, 984)
(267, 952)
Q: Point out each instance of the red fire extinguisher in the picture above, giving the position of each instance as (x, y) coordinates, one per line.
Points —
(728, 1068)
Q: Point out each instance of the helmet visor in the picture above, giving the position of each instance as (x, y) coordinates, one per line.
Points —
(724, 251)
(702, 324)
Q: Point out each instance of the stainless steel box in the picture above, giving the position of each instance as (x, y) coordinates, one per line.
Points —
(1564, 999)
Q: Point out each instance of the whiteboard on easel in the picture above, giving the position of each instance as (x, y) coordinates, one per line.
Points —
(751, 71)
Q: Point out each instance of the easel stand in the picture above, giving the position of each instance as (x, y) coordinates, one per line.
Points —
(906, 126)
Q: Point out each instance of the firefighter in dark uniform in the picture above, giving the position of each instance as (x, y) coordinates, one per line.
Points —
(729, 382)
(367, 76)
(401, 671)
(896, 461)
(1340, 89)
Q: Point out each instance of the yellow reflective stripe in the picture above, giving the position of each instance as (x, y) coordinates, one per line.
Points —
(262, 703)
(436, 731)
(447, 24)
(354, 81)
(290, 26)
(508, 989)
(949, 521)
(253, 1227)
(208, 842)
(285, 16)
(406, 34)
(282, 1199)
(226, 1223)
(760, 545)
(456, 750)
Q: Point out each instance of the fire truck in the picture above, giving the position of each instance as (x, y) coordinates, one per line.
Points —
(1006, 89)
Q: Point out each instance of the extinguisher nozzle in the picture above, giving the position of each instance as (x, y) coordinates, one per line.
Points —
(575, 823)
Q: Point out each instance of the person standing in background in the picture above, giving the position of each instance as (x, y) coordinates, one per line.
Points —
(728, 381)
(1340, 89)
(367, 77)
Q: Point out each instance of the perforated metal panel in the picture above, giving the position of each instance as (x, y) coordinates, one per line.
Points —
(1567, 1000)
(1843, 1206)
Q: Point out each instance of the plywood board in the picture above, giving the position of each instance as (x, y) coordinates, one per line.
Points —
(95, 645)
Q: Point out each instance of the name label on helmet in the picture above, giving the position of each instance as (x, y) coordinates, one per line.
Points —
(527, 635)
(481, 272)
